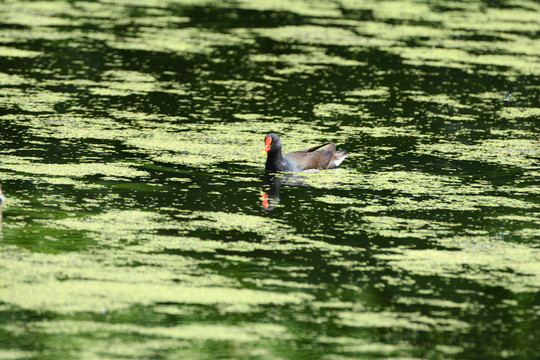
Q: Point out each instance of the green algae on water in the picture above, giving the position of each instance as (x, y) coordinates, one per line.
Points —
(248, 332)
(116, 295)
(132, 134)
(495, 263)
(14, 52)
(192, 40)
(7, 79)
(510, 152)
(403, 321)
(335, 109)
(37, 288)
(117, 170)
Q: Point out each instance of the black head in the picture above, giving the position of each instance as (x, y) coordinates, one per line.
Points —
(272, 143)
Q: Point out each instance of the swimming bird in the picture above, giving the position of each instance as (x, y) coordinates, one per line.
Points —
(319, 157)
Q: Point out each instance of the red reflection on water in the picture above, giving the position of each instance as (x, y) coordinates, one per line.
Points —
(264, 197)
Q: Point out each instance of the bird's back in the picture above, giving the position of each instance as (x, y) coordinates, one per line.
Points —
(312, 158)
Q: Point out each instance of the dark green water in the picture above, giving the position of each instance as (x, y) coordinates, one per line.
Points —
(133, 226)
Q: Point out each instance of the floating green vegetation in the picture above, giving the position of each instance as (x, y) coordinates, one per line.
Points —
(10, 80)
(420, 191)
(336, 109)
(250, 90)
(50, 14)
(121, 82)
(277, 235)
(363, 95)
(405, 11)
(460, 202)
(248, 332)
(32, 100)
(201, 149)
(9, 354)
(69, 283)
(299, 69)
(260, 225)
(15, 35)
(186, 41)
(460, 118)
(77, 127)
(146, 120)
(441, 99)
(462, 59)
(419, 183)
(250, 117)
(193, 160)
(443, 43)
(38, 20)
(511, 45)
(115, 170)
(508, 152)
(93, 296)
(281, 283)
(518, 218)
(383, 131)
(519, 113)
(300, 7)
(357, 346)
(403, 32)
(397, 228)
(135, 230)
(372, 207)
(37, 13)
(495, 263)
(393, 320)
(436, 303)
(311, 34)
(496, 20)
(332, 199)
(416, 183)
(117, 222)
(310, 55)
(490, 96)
(342, 178)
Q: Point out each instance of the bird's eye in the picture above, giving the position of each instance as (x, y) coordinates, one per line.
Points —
(274, 142)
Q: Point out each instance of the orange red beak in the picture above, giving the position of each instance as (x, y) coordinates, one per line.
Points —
(267, 143)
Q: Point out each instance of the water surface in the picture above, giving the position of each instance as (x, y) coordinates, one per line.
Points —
(134, 225)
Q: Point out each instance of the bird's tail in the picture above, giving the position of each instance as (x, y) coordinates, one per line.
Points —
(338, 158)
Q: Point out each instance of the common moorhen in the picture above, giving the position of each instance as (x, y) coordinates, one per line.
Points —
(309, 159)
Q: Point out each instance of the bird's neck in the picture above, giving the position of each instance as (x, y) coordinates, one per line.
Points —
(274, 161)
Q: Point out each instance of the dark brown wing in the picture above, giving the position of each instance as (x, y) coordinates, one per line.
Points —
(316, 147)
(312, 159)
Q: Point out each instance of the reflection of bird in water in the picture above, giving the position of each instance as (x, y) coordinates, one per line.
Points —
(270, 192)
(316, 158)
(273, 182)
